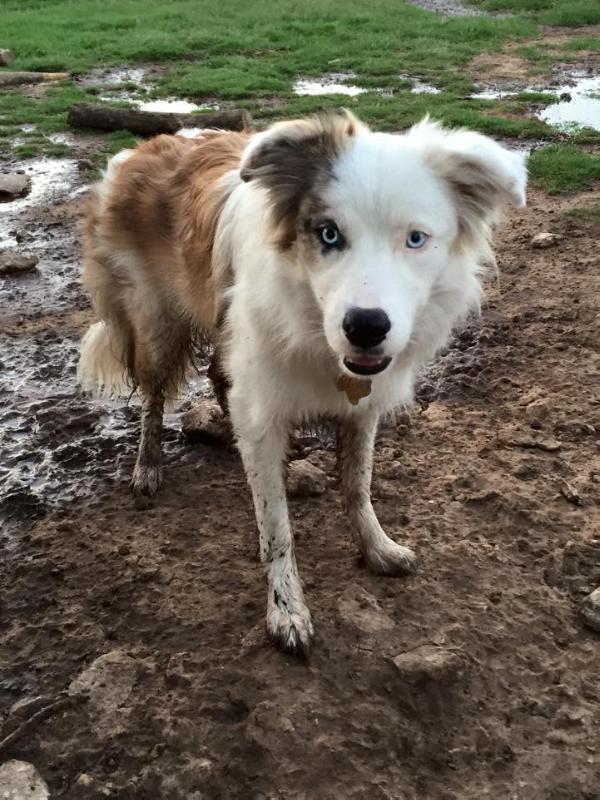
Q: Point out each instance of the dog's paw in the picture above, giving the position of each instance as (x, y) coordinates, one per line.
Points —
(391, 559)
(290, 632)
(146, 480)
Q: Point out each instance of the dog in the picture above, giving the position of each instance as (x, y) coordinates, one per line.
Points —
(326, 263)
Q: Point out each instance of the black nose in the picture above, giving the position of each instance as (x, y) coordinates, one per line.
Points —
(366, 327)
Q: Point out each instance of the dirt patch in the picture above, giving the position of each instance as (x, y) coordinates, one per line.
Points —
(504, 699)
(509, 69)
(499, 67)
(448, 8)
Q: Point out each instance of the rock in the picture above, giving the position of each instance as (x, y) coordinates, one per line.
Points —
(27, 706)
(14, 263)
(570, 493)
(206, 423)
(549, 444)
(305, 480)
(589, 610)
(359, 608)
(537, 413)
(177, 672)
(543, 240)
(13, 185)
(6, 56)
(21, 781)
(108, 682)
(189, 779)
(428, 662)
(269, 725)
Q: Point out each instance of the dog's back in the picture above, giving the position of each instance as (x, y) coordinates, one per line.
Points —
(148, 239)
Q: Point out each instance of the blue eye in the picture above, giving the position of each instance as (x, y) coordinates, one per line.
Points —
(416, 239)
(330, 235)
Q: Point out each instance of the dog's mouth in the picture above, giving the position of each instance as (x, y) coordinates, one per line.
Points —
(367, 365)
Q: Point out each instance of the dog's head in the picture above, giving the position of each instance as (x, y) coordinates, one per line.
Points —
(382, 225)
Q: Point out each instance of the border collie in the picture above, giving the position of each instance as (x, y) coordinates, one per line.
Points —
(324, 261)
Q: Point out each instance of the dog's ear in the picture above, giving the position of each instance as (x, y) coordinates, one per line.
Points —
(292, 158)
(483, 175)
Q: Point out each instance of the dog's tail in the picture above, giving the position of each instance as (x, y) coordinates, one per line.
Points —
(102, 362)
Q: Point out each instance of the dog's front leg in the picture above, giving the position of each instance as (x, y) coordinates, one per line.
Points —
(356, 438)
(288, 618)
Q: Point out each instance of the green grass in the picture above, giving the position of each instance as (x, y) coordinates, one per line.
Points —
(582, 43)
(249, 54)
(265, 37)
(586, 213)
(548, 12)
(563, 168)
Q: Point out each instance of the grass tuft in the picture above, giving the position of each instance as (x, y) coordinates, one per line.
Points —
(563, 168)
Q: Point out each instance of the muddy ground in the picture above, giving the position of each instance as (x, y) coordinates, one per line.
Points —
(494, 479)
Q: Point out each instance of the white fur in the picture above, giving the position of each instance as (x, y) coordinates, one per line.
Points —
(100, 369)
(285, 339)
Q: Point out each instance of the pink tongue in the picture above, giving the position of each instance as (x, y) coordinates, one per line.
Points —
(365, 361)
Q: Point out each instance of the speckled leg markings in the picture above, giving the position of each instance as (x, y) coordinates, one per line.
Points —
(356, 438)
(288, 619)
(147, 474)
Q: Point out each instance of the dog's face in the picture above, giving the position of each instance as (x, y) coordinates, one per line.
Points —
(377, 221)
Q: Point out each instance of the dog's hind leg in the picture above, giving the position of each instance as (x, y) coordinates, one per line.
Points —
(158, 364)
(356, 438)
(289, 623)
(147, 473)
(219, 380)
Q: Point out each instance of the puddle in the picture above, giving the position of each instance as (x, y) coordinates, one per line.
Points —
(117, 83)
(161, 105)
(580, 106)
(57, 446)
(328, 84)
(114, 76)
(52, 181)
(448, 8)
(332, 84)
(174, 106)
(62, 138)
(577, 101)
(420, 87)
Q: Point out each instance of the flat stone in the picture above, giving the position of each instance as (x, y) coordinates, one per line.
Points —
(360, 609)
(589, 610)
(543, 240)
(14, 185)
(428, 662)
(537, 413)
(305, 480)
(108, 682)
(206, 423)
(6, 57)
(20, 780)
(15, 263)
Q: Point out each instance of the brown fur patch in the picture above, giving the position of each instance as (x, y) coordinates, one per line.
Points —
(293, 160)
(477, 189)
(148, 239)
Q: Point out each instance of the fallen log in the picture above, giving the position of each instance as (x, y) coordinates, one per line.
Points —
(16, 78)
(150, 123)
